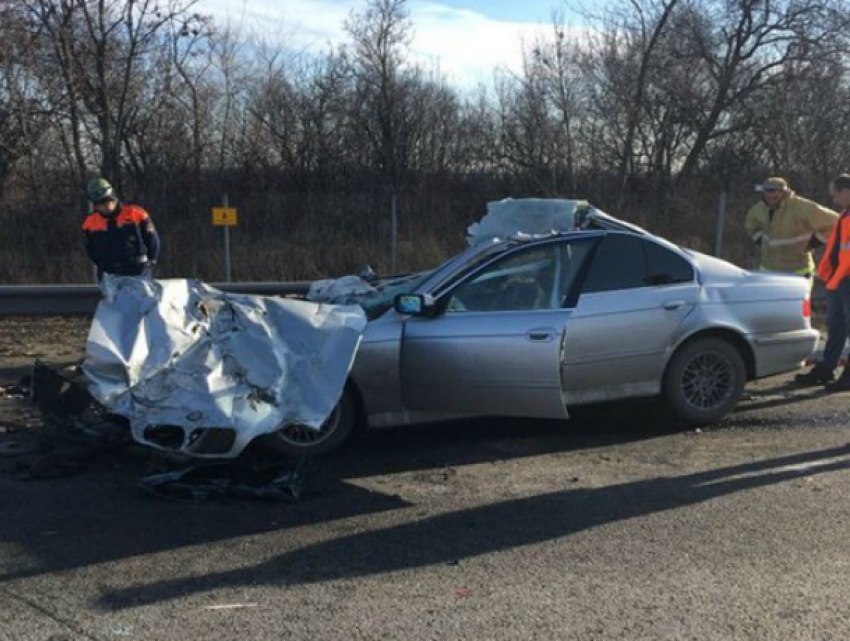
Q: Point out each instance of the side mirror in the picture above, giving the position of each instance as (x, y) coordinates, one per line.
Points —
(410, 304)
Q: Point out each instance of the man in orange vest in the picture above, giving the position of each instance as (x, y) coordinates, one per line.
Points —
(120, 238)
(834, 271)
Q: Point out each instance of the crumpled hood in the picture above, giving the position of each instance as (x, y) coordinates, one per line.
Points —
(180, 353)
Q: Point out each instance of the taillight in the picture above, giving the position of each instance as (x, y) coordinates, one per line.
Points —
(807, 308)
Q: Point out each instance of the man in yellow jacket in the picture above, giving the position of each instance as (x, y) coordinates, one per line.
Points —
(834, 271)
(783, 225)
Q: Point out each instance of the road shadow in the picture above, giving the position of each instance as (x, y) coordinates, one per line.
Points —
(456, 536)
(99, 516)
(493, 439)
(780, 396)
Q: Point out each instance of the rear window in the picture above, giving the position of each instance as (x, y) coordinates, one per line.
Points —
(665, 267)
(625, 261)
(619, 264)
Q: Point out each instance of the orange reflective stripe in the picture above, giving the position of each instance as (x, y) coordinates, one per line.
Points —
(95, 222)
(825, 267)
(831, 274)
(842, 270)
(132, 215)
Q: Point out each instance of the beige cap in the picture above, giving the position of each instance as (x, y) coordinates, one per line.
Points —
(773, 184)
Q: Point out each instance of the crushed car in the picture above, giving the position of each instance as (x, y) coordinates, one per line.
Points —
(554, 304)
(203, 372)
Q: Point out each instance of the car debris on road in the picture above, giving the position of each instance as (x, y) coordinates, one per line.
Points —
(223, 480)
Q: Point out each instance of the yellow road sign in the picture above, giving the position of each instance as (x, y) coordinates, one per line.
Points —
(224, 216)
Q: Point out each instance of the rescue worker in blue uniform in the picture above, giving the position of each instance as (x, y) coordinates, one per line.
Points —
(120, 238)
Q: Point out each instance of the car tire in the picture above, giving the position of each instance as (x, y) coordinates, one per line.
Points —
(704, 381)
(299, 441)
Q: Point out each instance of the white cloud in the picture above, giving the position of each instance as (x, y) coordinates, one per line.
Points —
(465, 45)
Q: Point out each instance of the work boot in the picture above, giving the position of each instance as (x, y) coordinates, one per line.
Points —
(841, 384)
(818, 375)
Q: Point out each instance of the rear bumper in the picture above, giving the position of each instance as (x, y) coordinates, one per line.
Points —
(783, 352)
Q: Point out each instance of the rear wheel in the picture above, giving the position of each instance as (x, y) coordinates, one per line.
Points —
(704, 381)
(299, 441)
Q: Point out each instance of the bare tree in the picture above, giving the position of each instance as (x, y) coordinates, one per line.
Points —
(384, 108)
(192, 60)
(100, 48)
(22, 111)
(381, 37)
(649, 24)
(740, 48)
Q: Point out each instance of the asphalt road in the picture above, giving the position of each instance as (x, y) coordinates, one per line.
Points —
(612, 526)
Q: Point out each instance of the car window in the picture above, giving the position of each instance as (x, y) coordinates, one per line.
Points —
(573, 256)
(456, 269)
(539, 278)
(665, 267)
(620, 263)
(520, 281)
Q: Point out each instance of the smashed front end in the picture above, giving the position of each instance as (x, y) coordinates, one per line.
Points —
(203, 372)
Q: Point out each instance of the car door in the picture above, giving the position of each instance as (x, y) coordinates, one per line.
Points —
(636, 295)
(496, 348)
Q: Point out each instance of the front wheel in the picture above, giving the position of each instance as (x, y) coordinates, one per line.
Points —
(300, 441)
(704, 381)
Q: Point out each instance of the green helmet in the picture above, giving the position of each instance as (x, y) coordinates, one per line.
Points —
(98, 189)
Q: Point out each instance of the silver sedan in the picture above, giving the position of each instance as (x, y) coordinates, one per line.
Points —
(533, 326)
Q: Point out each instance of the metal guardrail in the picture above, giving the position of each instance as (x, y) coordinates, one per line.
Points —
(81, 300)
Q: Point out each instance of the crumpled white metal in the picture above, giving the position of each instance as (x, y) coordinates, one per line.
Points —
(347, 289)
(181, 353)
(529, 215)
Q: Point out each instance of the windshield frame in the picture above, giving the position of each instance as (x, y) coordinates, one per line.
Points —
(447, 280)
(471, 255)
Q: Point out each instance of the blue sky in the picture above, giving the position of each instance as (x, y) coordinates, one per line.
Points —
(466, 39)
(508, 10)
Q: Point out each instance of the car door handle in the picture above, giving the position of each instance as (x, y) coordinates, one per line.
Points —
(540, 335)
(673, 304)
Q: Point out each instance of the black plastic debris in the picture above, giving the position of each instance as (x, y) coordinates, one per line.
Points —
(74, 432)
(13, 391)
(59, 392)
(16, 448)
(229, 480)
(63, 399)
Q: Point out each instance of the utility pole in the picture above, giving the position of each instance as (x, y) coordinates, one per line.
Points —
(226, 247)
(394, 234)
(721, 220)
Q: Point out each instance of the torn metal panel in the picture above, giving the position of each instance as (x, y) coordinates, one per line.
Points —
(344, 290)
(506, 217)
(180, 358)
(374, 296)
(525, 218)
